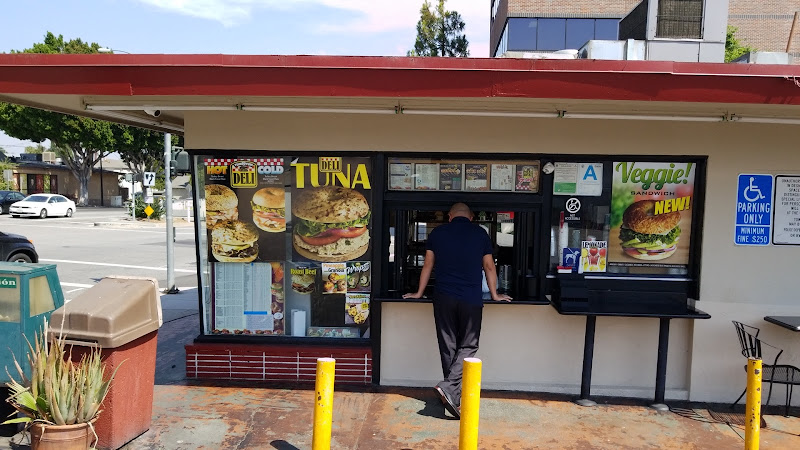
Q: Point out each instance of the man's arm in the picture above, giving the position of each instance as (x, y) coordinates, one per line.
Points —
(491, 278)
(424, 276)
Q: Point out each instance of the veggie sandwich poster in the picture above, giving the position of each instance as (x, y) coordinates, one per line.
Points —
(651, 213)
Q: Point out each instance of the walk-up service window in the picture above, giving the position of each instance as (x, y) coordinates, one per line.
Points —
(285, 245)
(503, 195)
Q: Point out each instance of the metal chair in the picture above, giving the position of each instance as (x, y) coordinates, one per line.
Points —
(772, 373)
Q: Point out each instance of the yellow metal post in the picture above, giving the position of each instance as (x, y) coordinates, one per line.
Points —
(753, 405)
(323, 404)
(470, 404)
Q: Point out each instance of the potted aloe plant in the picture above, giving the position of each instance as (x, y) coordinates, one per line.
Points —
(62, 398)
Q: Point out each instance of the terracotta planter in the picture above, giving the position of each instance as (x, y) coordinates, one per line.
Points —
(61, 437)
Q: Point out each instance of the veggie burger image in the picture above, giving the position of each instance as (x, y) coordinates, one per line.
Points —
(269, 209)
(234, 241)
(221, 204)
(648, 236)
(331, 224)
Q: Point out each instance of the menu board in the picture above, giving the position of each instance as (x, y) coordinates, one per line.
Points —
(502, 177)
(450, 177)
(400, 176)
(463, 175)
(527, 178)
(426, 176)
(323, 243)
(476, 177)
(249, 298)
(787, 210)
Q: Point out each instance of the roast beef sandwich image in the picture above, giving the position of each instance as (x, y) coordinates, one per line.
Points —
(221, 204)
(332, 224)
(303, 283)
(234, 241)
(269, 209)
(647, 236)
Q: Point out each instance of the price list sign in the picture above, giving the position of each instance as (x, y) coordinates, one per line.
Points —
(787, 210)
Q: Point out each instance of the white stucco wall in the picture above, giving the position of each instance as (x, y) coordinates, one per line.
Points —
(739, 283)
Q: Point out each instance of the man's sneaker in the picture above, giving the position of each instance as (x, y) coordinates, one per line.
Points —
(448, 404)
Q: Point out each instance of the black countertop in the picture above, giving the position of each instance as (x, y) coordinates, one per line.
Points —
(398, 298)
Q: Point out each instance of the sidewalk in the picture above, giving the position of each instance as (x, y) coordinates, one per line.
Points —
(228, 415)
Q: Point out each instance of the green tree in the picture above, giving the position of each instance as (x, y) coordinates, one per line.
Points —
(733, 48)
(439, 33)
(37, 149)
(80, 141)
(6, 185)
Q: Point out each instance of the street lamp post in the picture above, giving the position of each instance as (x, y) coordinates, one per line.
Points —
(101, 180)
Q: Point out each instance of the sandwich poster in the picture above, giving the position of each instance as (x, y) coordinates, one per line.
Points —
(245, 209)
(651, 214)
(331, 210)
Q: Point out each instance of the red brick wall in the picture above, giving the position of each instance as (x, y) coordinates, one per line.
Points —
(765, 24)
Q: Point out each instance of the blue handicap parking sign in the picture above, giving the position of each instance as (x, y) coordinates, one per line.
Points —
(753, 209)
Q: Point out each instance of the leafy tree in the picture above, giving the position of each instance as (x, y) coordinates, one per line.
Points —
(2, 151)
(6, 185)
(81, 142)
(733, 48)
(439, 33)
(37, 149)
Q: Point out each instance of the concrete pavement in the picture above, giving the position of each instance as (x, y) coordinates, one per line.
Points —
(236, 415)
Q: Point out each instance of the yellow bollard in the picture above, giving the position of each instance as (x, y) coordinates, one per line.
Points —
(470, 404)
(323, 404)
(753, 404)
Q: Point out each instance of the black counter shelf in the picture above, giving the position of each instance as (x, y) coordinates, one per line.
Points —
(664, 316)
(399, 299)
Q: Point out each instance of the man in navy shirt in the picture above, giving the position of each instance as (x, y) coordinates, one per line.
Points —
(459, 251)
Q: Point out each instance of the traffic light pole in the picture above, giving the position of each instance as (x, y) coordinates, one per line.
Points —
(170, 289)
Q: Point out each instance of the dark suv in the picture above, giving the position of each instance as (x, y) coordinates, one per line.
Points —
(17, 248)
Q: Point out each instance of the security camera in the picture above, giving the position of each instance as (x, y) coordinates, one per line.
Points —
(153, 112)
(548, 168)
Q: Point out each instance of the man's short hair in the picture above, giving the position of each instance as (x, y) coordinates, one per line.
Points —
(460, 209)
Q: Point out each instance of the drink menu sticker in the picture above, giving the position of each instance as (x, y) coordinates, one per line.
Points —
(786, 229)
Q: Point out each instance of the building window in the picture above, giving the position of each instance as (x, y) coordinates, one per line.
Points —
(495, 7)
(522, 34)
(531, 34)
(680, 19)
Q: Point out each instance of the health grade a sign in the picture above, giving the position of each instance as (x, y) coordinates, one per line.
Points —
(753, 209)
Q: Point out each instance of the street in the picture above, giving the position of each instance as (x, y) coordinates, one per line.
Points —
(97, 242)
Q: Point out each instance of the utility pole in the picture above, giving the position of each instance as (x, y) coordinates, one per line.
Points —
(171, 289)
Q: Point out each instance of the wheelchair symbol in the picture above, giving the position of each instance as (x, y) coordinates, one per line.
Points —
(753, 193)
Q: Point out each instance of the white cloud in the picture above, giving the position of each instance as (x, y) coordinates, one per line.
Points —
(368, 16)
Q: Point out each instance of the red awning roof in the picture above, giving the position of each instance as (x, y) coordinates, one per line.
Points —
(30, 78)
(129, 75)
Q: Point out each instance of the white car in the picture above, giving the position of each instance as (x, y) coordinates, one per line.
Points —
(43, 205)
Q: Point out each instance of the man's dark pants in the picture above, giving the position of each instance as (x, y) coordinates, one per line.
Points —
(458, 329)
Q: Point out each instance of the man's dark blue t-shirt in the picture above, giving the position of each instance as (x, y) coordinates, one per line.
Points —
(458, 248)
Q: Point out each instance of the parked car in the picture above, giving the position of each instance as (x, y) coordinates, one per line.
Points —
(17, 248)
(7, 198)
(43, 205)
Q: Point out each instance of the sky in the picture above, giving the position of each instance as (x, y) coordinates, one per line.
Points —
(239, 27)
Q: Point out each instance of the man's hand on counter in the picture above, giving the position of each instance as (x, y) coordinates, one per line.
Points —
(414, 295)
(502, 298)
